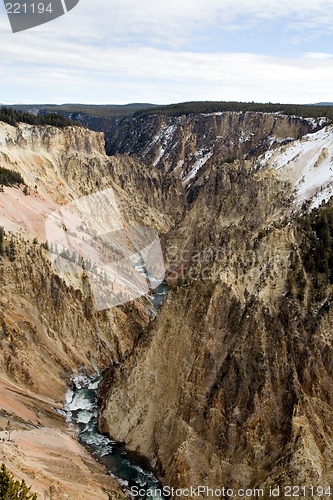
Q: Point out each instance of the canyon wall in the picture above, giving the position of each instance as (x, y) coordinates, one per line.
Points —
(184, 144)
(49, 325)
(231, 382)
(231, 385)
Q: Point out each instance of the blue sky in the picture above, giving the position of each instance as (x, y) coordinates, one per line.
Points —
(121, 51)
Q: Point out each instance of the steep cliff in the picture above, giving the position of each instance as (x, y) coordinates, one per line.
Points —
(184, 144)
(231, 385)
(49, 326)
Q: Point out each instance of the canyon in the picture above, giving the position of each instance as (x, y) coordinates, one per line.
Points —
(230, 384)
(50, 326)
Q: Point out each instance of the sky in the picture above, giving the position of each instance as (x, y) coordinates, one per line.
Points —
(125, 51)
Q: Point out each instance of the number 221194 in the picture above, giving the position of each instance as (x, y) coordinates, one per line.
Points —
(28, 8)
(307, 491)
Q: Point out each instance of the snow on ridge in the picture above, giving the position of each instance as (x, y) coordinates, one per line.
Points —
(321, 121)
(220, 113)
(168, 133)
(159, 157)
(165, 134)
(244, 137)
(323, 195)
(201, 159)
(307, 163)
(163, 137)
(273, 139)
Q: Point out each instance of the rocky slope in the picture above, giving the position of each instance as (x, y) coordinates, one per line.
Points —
(231, 385)
(307, 163)
(49, 326)
(184, 144)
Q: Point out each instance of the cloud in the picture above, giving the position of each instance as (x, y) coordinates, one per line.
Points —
(172, 22)
(318, 55)
(125, 50)
(124, 74)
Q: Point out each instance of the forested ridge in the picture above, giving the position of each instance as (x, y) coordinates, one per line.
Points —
(196, 107)
(14, 117)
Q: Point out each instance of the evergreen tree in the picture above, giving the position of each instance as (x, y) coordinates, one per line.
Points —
(10, 251)
(10, 177)
(13, 117)
(11, 489)
(2, 237)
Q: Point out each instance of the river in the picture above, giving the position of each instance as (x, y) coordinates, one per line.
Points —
(82, 411)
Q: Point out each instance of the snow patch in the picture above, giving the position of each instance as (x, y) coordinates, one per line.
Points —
(244, 137)
(317, 122)
(165, 134)
(323, 196)
(164, 138)
(159, 157)
(307, 163)
(201, 159)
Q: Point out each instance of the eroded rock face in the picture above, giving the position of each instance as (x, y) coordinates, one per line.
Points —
(184, 144)
(49, 326)
(231, 385)
(58, 318)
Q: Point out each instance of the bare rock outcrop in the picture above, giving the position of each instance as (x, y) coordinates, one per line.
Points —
(50, 327)
(231, 385)
(183, 144)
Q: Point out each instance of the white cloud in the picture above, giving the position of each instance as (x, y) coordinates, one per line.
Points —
(116, 74)
(175, 20)
(125, 50)
(318, 55)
